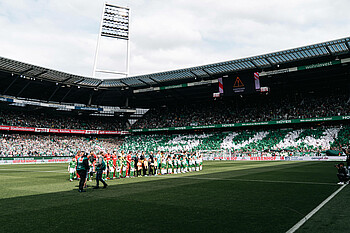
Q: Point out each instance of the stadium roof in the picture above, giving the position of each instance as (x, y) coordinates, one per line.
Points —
(194, 84)
(266, 61)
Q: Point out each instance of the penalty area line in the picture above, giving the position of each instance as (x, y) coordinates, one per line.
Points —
(314, 211)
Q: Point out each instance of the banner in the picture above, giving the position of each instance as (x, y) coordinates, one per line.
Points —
(249, 158)
(233, 125)
(278, 158)
(257, 81)
(221, 86)
(307, 67)
(68, 131)
(315, 158)
(34, 160)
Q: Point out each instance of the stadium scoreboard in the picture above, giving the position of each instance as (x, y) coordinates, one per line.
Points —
(242, 83)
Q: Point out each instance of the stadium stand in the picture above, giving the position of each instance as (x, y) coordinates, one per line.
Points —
(263, 108)
(46, 120)
(302, 83)
(294, 141)
(304, 140)
(24, 145)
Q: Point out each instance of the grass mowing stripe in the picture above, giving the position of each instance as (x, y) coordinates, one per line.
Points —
(307, 217)
(164, 204)
(248, 180)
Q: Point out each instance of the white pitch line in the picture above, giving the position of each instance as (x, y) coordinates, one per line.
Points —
(24, 170)
(197, 178)
(307, 217)
(248, 180)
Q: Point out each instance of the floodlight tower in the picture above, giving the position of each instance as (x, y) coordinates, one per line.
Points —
(114, 24)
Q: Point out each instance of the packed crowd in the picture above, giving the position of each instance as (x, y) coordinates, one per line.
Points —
(237, 110)
(263, 108)
(305, 140)
(44, 120)
(22, 145)
(133, 164)
(315, 139)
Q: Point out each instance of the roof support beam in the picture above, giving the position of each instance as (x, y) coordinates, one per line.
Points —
(269, 62)
(69, 90)
(26, 71)
(148, 84)
(208, 73)
(329, 51)
(19, 93)
(125, 83)
(90, 98)
(347, 46)
(9, 86)
(154, 80)
(196, 76)
(37, 76)
(53, 93)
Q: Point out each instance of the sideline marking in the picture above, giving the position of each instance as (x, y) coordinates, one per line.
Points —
(263, 181)
(27, 170)
(307, 217)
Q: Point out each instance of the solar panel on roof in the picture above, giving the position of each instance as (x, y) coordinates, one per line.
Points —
(311, 51)
(303, 53)
(333, 49)
(308, 54)
(200, 73)
(289, 57)
(226, 68)
(324, 50)
(148, 80)
(299, 55)
(280, 59)
(248, 64)
(239, 65)
(344, 48)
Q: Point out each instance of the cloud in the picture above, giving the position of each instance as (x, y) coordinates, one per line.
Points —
(165, 35)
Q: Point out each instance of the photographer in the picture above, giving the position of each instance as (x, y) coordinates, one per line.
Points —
(347, 153)
(342, 173)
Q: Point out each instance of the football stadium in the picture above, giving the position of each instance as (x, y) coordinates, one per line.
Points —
(253, 144)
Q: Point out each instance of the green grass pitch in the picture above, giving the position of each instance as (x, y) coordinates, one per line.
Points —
(230, 196)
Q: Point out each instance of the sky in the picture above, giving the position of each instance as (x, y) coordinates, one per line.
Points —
(164, 35)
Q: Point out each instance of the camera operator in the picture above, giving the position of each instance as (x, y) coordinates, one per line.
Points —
(347, 153)
(342, 173)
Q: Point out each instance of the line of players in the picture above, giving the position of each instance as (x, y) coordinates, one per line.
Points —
(139, 164)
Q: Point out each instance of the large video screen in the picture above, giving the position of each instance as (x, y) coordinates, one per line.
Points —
(242, 83)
